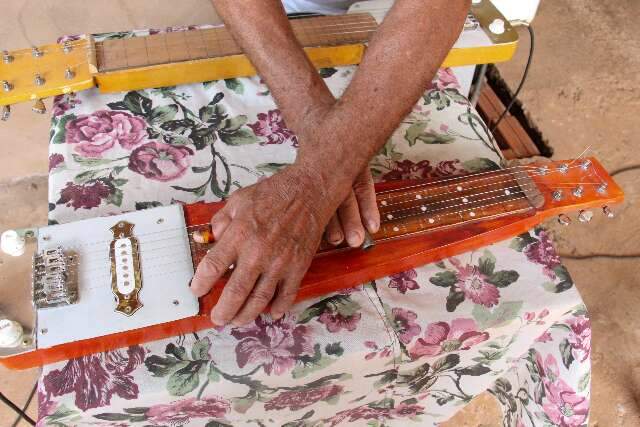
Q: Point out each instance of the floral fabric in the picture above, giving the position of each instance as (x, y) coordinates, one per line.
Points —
(409, 349)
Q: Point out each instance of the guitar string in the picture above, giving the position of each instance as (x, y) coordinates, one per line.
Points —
(186, 259)
(431, 214)
(421, 202)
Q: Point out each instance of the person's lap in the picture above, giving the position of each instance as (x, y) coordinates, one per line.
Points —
(420, 342)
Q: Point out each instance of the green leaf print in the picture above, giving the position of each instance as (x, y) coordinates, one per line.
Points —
(200, 349)
(271, 168)
(487, 263)
(454, 299)
(500, 315)
(444, 279)
(163, 114)
(177, 126)
(480, 164)
(185, 380)
(60, 129)
(234, 85)
(503, 278)
(137, 103)
(238, 137)
(565, 352)
(522, 241)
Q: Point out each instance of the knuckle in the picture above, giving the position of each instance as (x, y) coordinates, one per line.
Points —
(213, 265)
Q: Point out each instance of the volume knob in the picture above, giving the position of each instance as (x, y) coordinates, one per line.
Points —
(11, 333)
(12, 243)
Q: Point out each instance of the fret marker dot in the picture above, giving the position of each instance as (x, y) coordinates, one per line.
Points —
(507, 192)
(431, 220)
(418, 196)
(396, 229)
(423, 208)
(389, 216)
(459, 188)
(465, 200)
(383, 203)
(472, 214)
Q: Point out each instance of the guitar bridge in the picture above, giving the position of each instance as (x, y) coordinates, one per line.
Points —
(54, 279)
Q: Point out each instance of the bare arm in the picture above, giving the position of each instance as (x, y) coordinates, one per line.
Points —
(338, 138)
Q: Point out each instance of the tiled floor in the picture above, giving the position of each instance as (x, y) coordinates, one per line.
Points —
(584, 89)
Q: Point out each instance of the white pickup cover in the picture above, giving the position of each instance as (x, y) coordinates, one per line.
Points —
(165, 261)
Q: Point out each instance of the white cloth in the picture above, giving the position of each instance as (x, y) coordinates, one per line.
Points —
(325, 7)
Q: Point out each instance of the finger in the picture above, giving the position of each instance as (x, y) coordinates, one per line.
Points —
(212, 267)
(259, 298)
(351, 223)
(333, 233)
(235, 292)
(366, 196)
(220, 222)
(285, 295)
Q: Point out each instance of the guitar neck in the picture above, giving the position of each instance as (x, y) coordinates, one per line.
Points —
(202, 44)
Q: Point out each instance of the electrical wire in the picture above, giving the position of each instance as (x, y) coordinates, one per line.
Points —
(19, 411)
(26, 405)
(514, 98)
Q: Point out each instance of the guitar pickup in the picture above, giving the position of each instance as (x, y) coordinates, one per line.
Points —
(54, 279)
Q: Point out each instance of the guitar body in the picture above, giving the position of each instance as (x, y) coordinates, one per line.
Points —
(418, 241)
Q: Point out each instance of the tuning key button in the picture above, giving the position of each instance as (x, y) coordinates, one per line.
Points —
(543, 170)
(497, 26)
(578, 191)
(66, 47)
(557, 195)
(586, 163)
(585, 216)
(36, 53)
(39, 107)
(69, 74)
(606, 210)
(563, 168)
(602, 188)
(6, 113)
(6, 57)
(564, 220)
(38, 80)
(6, 86)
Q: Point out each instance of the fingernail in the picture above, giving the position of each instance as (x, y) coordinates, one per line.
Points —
(354, 238)
(335, 238)
(276, 315)
(373, 226)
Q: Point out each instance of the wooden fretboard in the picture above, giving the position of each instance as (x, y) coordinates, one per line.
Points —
(166, 48)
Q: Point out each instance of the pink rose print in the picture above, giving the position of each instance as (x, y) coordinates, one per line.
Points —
(55, 160)
(183, 411)
(159, 161)
(95, 379)
(64, 103)
(275, 344)
(441, 337)
(96, 133)
(377, 351)
(542, 252)
(474, 284)
(407, 410)
(404, 281)
(335, 321)
(295, 400)
(580, 337)
(46, 406)
(564, 407)
(404, 324)
(448, 168)
(86, 196)
(445, 79)
(406, 169)
(545, 337)
(272, 127)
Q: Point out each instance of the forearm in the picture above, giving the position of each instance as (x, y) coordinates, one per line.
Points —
(263, 31)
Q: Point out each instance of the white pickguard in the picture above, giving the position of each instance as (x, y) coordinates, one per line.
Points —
(378, 9)
(165, 261)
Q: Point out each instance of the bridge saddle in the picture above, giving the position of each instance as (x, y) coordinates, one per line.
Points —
(54, 278)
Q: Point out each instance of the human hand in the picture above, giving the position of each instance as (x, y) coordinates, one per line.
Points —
(270, 231)
(357, 213)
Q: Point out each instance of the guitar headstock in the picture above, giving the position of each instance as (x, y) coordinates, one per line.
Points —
(575, 185)
(44, 71)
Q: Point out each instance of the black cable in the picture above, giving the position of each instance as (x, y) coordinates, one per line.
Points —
(624, 169)
(19, 411)
(591, 256)
(524, 78)
(26, 405)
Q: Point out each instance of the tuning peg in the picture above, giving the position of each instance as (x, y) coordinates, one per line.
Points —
(578, 191)
(38, 80)
(585, 164)
(6, 113)
(39, 107)
(564, 220)
(6, 57)
(563, 168)
(66, 47)
(36, 53)
(585, 216)
(602, 188)
(6, 86)
(69, 74)
(606, 210)
(557, 195)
